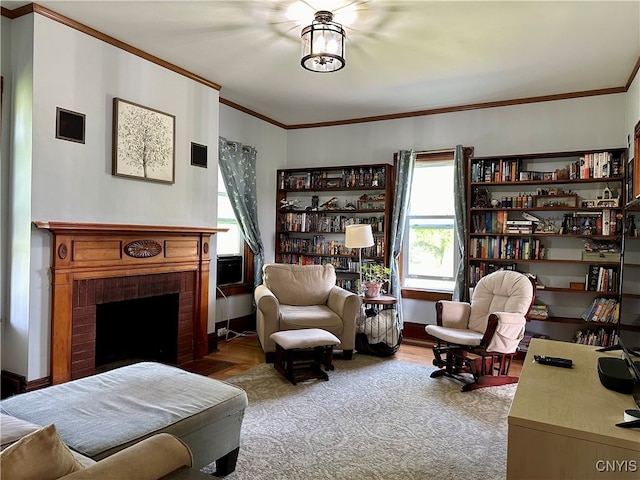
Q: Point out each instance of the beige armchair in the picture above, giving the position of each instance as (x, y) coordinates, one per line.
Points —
(304, 296)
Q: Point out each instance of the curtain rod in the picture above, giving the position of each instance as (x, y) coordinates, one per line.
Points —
(447, 150)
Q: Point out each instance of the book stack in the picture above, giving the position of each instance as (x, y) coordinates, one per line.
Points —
(603, 310)
(520, 227)
(538, 312)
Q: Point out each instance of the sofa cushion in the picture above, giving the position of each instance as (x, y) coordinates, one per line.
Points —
(299, 284)
(312, 316)
(40, 455)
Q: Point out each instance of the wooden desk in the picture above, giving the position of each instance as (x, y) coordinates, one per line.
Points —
(562, 421)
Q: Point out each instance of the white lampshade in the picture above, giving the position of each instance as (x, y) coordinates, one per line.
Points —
(358, 236)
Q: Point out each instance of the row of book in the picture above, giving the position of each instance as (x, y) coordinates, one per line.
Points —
(320, 245)
(340, 264)
(476, 272)
(349, 178)
(600, 338)
(498, 222)
(508, 248)
(602, 278)
(496, 170)
(303, 222)
(603, 310)
(591, 165)
(606, 222)
(595, 165)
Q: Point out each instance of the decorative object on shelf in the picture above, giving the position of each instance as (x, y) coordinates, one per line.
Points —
(374, 276)
(358, 236)
(289, 204)
(481, 198)
(143, 142)
(557, 200)
(323, 44)
(609, 198)
(331, 204)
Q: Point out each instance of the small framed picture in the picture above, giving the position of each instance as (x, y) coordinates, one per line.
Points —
(70, 125)
(198, 155)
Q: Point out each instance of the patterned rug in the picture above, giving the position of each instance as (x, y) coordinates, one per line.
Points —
(375, 418)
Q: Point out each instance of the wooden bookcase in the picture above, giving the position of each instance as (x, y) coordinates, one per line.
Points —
(314, 205)
(561, 218)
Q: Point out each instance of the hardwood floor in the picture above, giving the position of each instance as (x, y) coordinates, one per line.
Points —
(245, 352)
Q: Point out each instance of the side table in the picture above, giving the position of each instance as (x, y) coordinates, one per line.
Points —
(378, 331)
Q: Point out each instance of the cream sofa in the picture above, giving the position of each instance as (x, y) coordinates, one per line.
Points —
(304, 296)
(30, 451)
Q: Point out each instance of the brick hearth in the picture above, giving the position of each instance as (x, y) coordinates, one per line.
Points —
(89, 293)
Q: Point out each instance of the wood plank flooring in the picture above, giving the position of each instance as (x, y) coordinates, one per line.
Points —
(245, 352)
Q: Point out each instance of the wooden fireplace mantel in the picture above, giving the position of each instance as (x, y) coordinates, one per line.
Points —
(82, 251)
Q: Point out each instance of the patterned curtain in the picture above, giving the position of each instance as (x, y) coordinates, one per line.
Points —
(238, 167)
(406, 161)
(460, 291)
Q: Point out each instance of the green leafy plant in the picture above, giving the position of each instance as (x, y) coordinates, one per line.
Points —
(375, 273)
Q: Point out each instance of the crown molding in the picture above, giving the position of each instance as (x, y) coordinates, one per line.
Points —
(45, 12)
(35, 8)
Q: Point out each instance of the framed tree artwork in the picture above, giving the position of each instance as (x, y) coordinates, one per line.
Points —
(143, 142)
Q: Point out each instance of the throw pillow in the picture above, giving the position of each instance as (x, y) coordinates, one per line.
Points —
(41, 455)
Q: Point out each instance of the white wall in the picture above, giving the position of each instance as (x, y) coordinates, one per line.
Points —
(73, 182)
(5, 59)
(270, 143)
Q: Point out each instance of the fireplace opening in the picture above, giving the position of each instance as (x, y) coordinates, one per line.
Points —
(138, 329)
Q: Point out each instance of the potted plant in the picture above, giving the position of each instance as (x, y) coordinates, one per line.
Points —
(374, 276)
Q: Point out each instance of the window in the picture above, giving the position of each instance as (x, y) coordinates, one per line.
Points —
(429, 260)
(235, 259)
(231, 242)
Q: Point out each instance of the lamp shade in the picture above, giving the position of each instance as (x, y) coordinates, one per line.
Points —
(358, 236)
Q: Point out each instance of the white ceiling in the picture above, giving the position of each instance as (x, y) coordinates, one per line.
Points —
(401, 56)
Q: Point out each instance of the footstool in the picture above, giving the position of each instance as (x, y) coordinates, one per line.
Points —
(105, 413)
(301, 354)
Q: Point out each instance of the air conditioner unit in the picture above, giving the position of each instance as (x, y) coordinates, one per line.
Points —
(229, 269)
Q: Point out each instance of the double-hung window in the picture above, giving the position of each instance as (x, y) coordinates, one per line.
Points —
(231, 242)
(429, 258)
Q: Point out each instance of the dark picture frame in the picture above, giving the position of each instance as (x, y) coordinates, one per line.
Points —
(198, 155)
(143, 142)
(70, 125)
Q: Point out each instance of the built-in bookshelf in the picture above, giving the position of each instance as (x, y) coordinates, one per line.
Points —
(315, 205)
(559, 218)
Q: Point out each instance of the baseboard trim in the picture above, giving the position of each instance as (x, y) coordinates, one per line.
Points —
(14, 383)
(246, 323)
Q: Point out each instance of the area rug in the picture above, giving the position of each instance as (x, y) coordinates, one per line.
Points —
(376, 418)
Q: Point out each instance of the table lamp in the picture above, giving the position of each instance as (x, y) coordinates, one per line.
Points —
(358, 236)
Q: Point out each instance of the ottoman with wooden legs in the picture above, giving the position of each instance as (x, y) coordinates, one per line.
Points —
(301, 354)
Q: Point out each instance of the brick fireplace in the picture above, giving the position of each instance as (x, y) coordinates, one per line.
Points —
(94, 264)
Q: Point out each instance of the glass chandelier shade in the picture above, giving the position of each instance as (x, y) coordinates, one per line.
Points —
(323, 44)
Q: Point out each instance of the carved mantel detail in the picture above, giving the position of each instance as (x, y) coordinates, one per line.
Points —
(84, 251)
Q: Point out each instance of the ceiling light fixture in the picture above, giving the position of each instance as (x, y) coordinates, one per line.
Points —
(323, 44)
